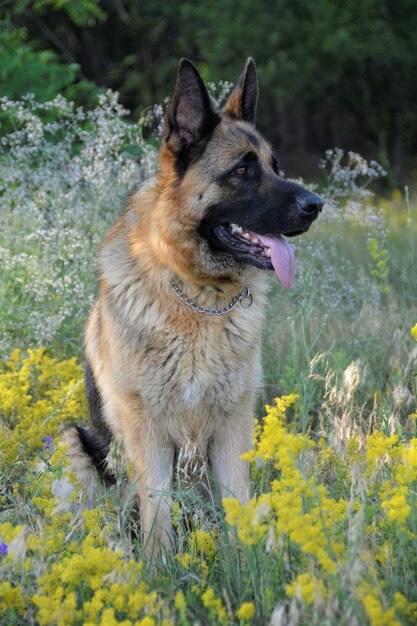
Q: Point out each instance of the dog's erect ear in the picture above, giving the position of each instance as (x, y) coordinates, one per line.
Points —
(242, 102)
(190, 116)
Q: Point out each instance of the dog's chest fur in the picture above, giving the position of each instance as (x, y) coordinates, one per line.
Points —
(190, 370)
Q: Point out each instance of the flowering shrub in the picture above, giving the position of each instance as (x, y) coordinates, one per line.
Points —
(112, 589)
(349, 175)
(37, 395)
(327, 538)
(336, 520)
(64, 174)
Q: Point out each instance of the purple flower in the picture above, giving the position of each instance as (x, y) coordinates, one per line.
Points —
(48, 441)
(3, 548)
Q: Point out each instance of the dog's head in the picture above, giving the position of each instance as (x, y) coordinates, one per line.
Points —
(230, 205)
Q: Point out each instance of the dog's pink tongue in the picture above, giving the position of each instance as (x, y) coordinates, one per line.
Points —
(282, 257)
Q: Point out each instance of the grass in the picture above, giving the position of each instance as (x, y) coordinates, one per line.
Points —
(330, 534)
(306, 338)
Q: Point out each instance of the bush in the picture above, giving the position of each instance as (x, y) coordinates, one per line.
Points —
(62, 184)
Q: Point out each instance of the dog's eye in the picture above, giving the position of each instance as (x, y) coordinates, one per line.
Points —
(242, 170)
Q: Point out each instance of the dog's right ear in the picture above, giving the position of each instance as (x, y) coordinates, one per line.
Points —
(190, 117)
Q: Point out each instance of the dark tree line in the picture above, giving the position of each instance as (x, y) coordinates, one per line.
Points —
(332, 72)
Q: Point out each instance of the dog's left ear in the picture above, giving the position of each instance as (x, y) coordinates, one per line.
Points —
(190, 117)
(242, 102)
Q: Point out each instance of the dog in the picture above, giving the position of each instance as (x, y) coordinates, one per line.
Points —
(173, 342)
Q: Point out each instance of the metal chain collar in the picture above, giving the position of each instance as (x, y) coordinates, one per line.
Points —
(240, 297)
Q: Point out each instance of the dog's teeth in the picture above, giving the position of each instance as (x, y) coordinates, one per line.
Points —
(246, 236)
(236, 229)
(268, 252)
(254, 239)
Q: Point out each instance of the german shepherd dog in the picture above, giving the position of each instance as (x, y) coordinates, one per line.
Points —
(173, 343)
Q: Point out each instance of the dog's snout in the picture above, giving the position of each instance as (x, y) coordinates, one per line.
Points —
(311, 204)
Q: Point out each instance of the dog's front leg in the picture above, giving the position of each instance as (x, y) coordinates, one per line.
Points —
(154, 469)
(232, 439)
(152, 458)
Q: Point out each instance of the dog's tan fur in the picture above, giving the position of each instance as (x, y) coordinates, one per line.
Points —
(175, 383)
(171, 378)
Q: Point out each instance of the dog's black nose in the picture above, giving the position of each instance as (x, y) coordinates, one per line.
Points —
(310, 203)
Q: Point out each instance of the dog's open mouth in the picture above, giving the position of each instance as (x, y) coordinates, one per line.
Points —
(262, 251)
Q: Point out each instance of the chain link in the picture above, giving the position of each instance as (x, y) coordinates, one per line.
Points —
(240, 297)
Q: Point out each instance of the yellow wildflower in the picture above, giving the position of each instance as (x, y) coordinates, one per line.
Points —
(406, 608)
(308, 587)
(301, 510)
(406, 471)
(202, 543)
(215, 605)
(107, 577)
(396, 507)
(8, 532)
(377, 615)
(414, 331)
(378, 446)
(11, 598)
(380, 257)
(180, 602)
(147, 621)
(37, 395)
(250, 519)
(185, 559)
(246, 611)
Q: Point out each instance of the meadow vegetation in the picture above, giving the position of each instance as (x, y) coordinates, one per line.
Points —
(329, 536)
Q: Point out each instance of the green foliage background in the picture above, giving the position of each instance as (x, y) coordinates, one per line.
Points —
(332, 72)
